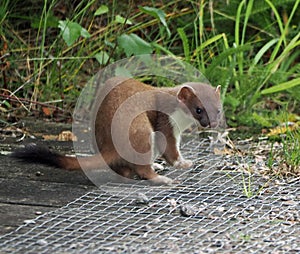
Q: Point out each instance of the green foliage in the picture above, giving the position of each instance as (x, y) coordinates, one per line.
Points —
(250, 48)
(291, 148)
(102, 57)
(121, 20)
(247, 186)
(132, 44)
(101, 10)
(283, 86)
(158, 14)
(185, 44)
(71, 31)
(3, 10)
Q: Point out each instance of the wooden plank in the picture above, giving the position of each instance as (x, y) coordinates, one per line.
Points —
(12, 216)
(27, 188)
(39, 193)
(30, 188)
(14, 169)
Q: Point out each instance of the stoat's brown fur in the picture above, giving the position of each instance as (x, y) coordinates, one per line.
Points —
(167, 110)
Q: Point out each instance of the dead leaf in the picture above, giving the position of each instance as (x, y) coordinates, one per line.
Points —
(224, 151)
(66, 136)
(284, 128)
(47, 111)
(63, 136)
(50, 137)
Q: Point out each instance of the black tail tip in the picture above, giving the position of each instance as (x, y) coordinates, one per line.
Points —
(35, 153)
(30, 150)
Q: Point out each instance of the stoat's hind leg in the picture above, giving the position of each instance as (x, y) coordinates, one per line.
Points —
(125, 172)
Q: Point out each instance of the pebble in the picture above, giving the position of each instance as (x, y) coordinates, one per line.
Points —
(172, 202)
(187, 210)
(142, 199)
(147, 227)
(289, 203)
(288, 198)
(29, 221)
(157, 220)
(220, 209)
(42, 242)
(252, 208)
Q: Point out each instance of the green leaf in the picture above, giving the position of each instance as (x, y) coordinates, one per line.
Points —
(123, 72)
(209, 41)
(102, 57)
(232, 101)
(217, 60)
(122, 20)
(158, 14)
(71, 31)
(185, 43)
(261, 52)
(283, 86)
(51, 21)
(132, 44)
(101, 10)
(84, 33)
(262, 120)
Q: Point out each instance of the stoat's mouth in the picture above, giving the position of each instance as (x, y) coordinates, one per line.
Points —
(199, 126)
(213, 125)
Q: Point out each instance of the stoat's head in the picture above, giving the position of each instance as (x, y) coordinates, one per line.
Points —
(203, 102)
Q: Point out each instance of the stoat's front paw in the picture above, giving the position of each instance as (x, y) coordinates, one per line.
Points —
(162, 180)
(181, 163)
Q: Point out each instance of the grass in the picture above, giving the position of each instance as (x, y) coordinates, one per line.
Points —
(289, 156)
(250, 48)
(291, 148)
(247, 186)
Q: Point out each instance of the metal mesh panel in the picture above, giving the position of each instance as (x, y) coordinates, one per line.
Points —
(208, 211)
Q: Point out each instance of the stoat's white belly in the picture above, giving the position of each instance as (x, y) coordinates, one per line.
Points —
(180, 121)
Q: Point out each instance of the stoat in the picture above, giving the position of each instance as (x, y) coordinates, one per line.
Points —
(136, 123)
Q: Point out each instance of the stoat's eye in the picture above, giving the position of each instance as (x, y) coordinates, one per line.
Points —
(198, 110)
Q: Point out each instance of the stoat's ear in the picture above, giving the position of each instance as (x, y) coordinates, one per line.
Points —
(185, 93)
(218, 90)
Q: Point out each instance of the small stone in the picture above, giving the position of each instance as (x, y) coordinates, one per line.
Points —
(142, 199)
(29, 221)
(38, 213)
(289, 203)
(172, 202)
(42, 242)
(147, 227)
(287, 198)
(245, 213)
(156, 220)
(252, 208)
(187, 210)
(76, 245)
(73, 246)
(221, 209)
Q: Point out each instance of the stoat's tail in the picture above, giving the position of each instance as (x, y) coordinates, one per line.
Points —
(40, 154)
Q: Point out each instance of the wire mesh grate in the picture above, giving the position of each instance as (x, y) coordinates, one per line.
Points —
(212, 209)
